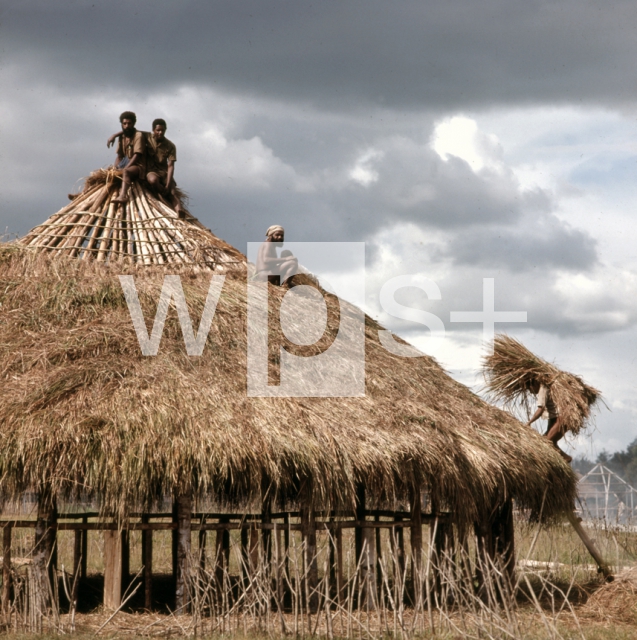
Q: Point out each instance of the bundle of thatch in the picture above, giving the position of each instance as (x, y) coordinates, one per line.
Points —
(83, 411)
(145, 230)
(614, 601)
(512, 368)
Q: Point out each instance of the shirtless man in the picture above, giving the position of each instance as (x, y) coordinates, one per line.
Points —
(545, 405)
(131, 154)
(269, 266)
(161, 158)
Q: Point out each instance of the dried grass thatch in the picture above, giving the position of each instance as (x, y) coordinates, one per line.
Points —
(146, 230)
(614, 601)
(84, 411)
(511, 369)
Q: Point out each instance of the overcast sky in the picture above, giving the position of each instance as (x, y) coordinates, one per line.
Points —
(460, 140)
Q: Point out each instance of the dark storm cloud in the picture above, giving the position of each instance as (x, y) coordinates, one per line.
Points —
(408, 54)
(547, 243)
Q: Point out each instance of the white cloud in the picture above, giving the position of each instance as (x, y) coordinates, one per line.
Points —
(363, 171)
(460, 136)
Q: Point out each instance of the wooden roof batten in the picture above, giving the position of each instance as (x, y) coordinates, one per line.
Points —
(145, 230)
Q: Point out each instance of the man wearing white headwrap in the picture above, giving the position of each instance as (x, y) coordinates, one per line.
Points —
(274, 229)
(271, 267)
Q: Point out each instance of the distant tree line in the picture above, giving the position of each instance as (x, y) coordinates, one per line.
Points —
(623, 463)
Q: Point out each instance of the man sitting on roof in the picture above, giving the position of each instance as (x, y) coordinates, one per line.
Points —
(547, 408)
(269, 266)
(131, 154)
(161, 158)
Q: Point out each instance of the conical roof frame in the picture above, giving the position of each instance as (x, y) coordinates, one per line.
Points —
(145, 230)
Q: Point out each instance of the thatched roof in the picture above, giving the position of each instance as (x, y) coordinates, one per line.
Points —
(510, 370)
(146, 230)
(82, 409)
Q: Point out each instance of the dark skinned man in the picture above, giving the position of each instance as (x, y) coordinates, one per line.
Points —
(131, 154)
(161, 158)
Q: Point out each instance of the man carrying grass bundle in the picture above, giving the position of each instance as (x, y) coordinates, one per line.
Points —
(512, 373)
(548, 410)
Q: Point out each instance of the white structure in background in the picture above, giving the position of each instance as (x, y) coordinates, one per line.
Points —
(603, 495)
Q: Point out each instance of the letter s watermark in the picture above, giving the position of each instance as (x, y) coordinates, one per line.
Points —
(397, 310)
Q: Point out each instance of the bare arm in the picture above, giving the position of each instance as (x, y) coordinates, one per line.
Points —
(170, 173)
(538, 412)
(111, 141)
(133, 160)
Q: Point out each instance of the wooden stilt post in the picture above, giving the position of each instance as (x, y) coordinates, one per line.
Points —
(397, 546)
(416, 544)
(77, 562)
(340, 578)
(266, 519)
(359, 540)
(368, 569)
(203, 539)
(336, 561)
(77, 551)
(360, 517)
(308, 530)
(254, 548)
(184, 523)
(147, 561)
(125, 559)
(45, 529)
(84, 561)
(484, 546)
(286, 542)
(6, 567)
(503, 537)
(113, 551)
(588, 543)
(245, 553)
(222, 543)
(174, 539)
(379, 571)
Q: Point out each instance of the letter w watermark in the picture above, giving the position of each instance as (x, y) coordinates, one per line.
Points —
(171, 290)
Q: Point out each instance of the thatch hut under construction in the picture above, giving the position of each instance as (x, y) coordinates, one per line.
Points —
(85, 414)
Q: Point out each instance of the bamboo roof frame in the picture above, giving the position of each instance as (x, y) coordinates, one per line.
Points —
(145, 230)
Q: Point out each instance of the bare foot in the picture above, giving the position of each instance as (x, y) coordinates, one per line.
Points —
(120, 199)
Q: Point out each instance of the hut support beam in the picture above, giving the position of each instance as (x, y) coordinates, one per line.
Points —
(44, 547)
(6, 567)
(222, 552)
(84, 561)
(308, 530)
(416, 544)
(336, 564)
(368, 569)
(496, 551)
(504, 540)
(266, 519)
(78, 537)
(184, 522)
(365, 553)
(113, 568)
(147, 562)
(588, 543)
